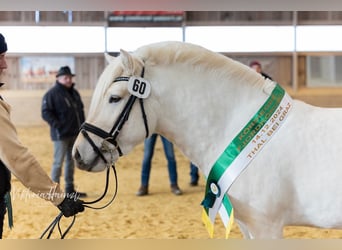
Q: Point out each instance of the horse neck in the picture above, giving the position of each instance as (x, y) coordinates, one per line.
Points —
(202, 114)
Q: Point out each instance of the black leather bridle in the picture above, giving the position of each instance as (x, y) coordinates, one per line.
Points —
(112, 135)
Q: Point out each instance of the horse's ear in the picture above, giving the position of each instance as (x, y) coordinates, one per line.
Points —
(127, 61)
(109, 58)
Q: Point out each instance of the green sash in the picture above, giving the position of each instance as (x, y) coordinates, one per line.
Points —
(238, 154)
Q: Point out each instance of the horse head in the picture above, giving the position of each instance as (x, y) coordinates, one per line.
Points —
(175, 89)
(114, 125)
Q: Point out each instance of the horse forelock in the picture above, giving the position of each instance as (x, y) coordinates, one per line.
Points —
(104, 82)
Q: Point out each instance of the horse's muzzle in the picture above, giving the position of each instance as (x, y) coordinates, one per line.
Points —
(90, 167)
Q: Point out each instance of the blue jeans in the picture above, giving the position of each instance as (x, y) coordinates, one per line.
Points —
(63, 150)
(148, 154)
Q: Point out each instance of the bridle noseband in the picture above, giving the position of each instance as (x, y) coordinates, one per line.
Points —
(112, 135)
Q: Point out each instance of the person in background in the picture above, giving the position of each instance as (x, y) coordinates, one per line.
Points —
(149, 145)
(256, 65)
(16, 159)
(63, 110)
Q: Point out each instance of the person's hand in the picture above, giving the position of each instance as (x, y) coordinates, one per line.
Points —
(71, 206)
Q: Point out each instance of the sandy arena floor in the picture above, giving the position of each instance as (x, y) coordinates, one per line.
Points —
(160, 215)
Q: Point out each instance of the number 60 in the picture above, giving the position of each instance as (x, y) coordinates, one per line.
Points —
(139, 86)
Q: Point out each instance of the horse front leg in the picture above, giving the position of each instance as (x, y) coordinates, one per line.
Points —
(260, 230)
(244, 230)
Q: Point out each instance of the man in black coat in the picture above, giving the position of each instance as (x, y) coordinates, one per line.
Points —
(63, 110)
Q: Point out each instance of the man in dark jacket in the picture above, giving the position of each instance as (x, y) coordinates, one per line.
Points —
(62, 109)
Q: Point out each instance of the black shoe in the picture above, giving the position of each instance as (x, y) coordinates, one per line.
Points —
(194, 183)
(176, 190)
(142, 191)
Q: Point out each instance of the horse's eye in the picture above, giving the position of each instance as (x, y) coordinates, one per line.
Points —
(114, 98)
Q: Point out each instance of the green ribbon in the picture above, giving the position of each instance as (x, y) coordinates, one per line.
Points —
(240, 142)
(8, 203)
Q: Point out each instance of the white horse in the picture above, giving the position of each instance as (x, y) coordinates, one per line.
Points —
(200, 100)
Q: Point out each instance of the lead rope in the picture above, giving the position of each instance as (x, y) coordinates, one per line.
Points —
(53, 224)
(105, 191)
(57, 220)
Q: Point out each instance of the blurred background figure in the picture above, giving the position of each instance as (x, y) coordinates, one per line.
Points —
(63, 110)
(256, 65)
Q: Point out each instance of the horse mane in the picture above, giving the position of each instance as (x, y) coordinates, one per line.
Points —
(199, 58)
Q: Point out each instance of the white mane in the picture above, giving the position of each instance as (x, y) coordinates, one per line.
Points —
(198, 58)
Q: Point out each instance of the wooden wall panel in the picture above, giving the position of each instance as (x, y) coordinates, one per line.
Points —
(88, 70)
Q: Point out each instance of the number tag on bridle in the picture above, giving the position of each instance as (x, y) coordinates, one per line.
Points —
(139, 87)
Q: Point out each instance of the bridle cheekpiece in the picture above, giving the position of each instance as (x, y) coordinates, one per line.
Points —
(138, 88)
